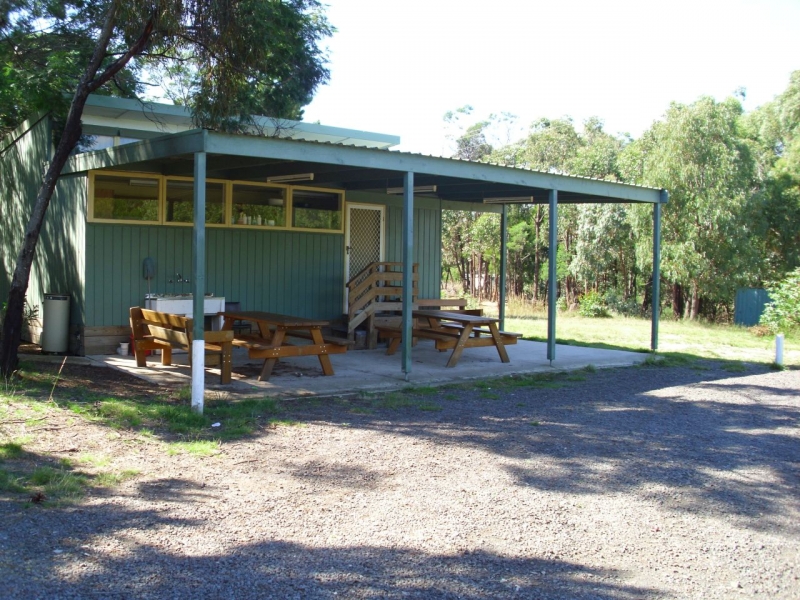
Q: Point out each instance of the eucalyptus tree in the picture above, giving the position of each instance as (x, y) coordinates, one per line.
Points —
(772, 132)
(243, 57)
(707, 243)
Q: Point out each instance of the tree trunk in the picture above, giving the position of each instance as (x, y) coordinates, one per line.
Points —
(695, 304)
(677, 300)
(538, 219)
(648, 294)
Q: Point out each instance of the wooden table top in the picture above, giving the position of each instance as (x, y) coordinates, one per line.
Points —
(444, 315)
(276, 319)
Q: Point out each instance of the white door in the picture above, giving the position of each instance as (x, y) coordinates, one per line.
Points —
(363, 238)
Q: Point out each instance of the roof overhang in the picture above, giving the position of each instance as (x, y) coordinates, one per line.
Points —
(254, 158)
(106, 115)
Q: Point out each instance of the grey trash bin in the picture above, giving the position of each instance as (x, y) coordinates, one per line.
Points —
(55, 323)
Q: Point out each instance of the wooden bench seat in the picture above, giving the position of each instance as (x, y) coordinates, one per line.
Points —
(509, 337)
(262, 348)
(455, 305)
(329, 339)
(153, 330)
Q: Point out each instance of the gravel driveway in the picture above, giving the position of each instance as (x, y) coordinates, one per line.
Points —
(645, 482)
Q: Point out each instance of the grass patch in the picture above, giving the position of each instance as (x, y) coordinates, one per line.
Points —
(422, 390)
(695, 338)
(107, 479)
(237, 419)
(11, 482)
(672, 359)
(734, 367)
(10, 450)
(195, 448)
(94, 460)
(487, 395)
(58, 484)
(429, 406)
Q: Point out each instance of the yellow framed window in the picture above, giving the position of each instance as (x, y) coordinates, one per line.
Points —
(317, 209)
(129, 198)
(179, 201)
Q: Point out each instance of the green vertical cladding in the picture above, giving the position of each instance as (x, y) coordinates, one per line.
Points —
(427, 245)
(58, 265)
(749, 306)
(298, 273)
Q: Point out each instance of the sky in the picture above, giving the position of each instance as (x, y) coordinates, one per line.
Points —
(397, 66)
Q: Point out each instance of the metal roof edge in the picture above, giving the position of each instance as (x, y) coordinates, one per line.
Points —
(292, 129)
(403, 161)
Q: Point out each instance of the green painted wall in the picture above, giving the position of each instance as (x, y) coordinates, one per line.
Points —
(296, 273)
(58, 264)
(427, 246)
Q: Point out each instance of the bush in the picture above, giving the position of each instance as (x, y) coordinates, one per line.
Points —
(621, 306)
(561, 304)
(783, 311)
(29, 314)
(592, 305)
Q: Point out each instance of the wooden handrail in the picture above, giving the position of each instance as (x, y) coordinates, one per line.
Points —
(369, 290)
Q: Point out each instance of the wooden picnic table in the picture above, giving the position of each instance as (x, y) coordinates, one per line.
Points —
(271, 344)
(454, 330)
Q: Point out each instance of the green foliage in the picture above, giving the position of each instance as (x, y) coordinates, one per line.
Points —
(783, 311)
(734, 183)
(29, 314)
(697, 154)
(592, 305)
(230, 60)
(618, 304)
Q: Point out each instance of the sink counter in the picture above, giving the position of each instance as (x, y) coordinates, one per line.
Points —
(183, 304)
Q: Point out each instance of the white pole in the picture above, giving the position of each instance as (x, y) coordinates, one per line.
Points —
(779, 349)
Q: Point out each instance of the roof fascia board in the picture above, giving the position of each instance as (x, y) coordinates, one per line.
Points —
(176, 144)
(443, 167)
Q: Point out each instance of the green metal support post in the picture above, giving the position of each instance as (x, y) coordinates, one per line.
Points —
(199, 280)
(503, 263)
(408, 267)
(656, 300)
(552, 286)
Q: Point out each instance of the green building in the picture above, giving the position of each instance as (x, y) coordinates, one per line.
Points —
(292, 212)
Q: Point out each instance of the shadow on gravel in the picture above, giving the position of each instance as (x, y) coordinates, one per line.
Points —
(687, 438)
(174, 490)
(62, 562)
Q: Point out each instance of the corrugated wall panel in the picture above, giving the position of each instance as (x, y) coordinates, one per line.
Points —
(297, 273)
(749, 306)
(427, 245)
(58, 265)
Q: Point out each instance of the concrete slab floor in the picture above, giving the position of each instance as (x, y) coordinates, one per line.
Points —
(371, 370)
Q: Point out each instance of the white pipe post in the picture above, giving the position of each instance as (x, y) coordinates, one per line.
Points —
(779, 349)
(199, 279)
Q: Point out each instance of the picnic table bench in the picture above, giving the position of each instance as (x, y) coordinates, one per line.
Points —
(270, 343)
(153, 330)
(453, 330)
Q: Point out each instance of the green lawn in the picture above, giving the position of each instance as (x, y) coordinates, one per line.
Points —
(726, 342)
